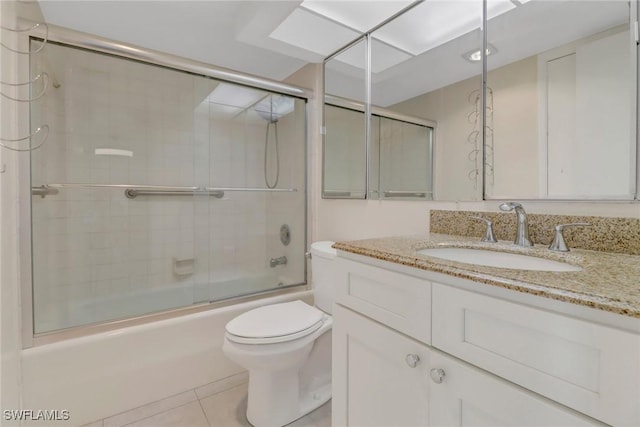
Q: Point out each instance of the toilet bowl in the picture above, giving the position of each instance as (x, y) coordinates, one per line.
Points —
(286, 348)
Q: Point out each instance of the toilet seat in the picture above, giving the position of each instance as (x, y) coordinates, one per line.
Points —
(275, 323)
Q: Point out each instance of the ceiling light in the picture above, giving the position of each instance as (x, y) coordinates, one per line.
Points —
(476, 55)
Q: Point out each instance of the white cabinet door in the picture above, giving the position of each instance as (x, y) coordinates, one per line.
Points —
(588, 367)
(468, 396)
(373, 382)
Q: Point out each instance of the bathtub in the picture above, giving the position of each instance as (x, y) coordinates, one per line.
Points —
(153, 300)
(100, 375)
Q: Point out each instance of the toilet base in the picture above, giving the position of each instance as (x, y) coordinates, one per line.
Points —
(285, 406)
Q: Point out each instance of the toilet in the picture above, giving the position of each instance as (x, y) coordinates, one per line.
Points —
(286, 348)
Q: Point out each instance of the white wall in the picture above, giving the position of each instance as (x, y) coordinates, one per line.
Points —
(10, 337)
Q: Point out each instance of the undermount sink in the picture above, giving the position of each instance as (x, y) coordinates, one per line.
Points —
(498, 259)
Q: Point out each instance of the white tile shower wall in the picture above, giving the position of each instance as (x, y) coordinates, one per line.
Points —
(95, 244)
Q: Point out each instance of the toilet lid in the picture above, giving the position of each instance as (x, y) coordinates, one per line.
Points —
(276, 320)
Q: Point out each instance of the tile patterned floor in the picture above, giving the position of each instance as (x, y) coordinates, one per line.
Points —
(219, 404)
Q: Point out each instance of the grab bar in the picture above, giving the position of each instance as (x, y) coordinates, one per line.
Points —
(132, 193)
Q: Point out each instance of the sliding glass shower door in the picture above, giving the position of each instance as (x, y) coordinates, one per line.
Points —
(158, 189)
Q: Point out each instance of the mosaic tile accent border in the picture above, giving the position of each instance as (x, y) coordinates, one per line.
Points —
(617, 235)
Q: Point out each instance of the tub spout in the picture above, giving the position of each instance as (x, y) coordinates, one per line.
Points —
(278, 261)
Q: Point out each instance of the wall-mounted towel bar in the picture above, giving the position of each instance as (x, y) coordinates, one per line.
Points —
(132, 191)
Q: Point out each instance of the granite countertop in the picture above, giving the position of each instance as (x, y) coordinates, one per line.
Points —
(608, 281)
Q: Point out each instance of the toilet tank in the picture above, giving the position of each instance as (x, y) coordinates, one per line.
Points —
(323, 275)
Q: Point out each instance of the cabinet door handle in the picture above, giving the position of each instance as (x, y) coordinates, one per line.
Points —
(437, 375)
(412, 360)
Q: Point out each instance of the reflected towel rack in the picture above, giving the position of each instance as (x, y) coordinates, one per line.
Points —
(3, 141)
(132, 191)
(405, 193)
(25, 30)
(43, 76)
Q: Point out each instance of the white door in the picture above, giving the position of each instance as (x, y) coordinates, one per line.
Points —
(468, 396)
(379, 375)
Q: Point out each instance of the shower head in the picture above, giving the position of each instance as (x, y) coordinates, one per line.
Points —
(273, 107)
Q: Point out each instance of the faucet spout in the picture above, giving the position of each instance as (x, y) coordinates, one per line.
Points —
(522, 232)
(277, 261)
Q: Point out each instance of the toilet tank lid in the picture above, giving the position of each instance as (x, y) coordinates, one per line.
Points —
(323, 249)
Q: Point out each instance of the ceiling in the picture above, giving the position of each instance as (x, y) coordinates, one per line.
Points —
(416, 53)
(256, 37)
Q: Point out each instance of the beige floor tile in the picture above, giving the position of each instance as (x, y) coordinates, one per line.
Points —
(189, 415)
(150, 409)
(227, 409)
(94, 424)
(222, 385)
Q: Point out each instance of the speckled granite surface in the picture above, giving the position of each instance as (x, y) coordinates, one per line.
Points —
(619, 235)
(608, 281)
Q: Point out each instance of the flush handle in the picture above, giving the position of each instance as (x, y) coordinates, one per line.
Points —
(412, 360)
(437, 375)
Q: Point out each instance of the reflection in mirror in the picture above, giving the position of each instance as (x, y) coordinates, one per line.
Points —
(422, 66)
(344, 153)
(402, 161)
(561, 98)
(344, 147)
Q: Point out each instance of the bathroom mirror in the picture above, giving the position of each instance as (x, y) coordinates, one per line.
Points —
(561, 101)
(424, 72)
(344, 145)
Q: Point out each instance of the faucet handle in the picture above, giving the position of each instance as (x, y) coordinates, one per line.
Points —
(488, 234)
(558, 243)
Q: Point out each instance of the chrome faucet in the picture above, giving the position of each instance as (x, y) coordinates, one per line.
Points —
(522, 232)
(277, 261)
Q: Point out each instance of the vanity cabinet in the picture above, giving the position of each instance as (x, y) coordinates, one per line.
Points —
(485, 362)
(380, 377)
